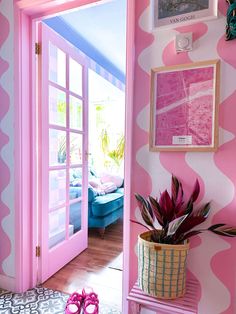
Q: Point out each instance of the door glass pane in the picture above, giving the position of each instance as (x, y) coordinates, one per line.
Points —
(75, 148)
(57, 226)
(57, 107)
(75, 215)
(57, 188)
(75, 77)
(75, 182)
(57, 65)
(57, 147)
(76, 113)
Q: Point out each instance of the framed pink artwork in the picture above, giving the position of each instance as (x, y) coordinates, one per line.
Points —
(184, 107)
(171, 13)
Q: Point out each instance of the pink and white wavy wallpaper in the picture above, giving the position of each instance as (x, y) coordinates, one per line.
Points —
(212, 258)
(7, 223)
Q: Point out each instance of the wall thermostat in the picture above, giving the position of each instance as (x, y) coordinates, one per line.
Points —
(184, 42)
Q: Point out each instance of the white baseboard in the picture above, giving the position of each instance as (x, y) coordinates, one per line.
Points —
(7, 283)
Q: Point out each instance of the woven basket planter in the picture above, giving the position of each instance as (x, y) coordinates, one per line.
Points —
(161, 267)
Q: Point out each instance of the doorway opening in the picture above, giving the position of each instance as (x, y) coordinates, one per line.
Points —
(98, 177)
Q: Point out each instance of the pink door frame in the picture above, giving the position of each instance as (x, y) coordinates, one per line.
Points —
(26, 13)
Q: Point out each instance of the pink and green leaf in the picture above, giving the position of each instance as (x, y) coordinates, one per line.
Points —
(224, 230)
(203, 210)
(166, 205)
(174, 188)
(196, 191)
(189, 223)
(175, 224)
(156, 210)
(145, 210)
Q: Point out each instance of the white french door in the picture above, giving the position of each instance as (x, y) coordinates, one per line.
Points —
(63, 141)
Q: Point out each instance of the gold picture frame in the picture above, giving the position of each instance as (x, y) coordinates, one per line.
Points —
(184, 102)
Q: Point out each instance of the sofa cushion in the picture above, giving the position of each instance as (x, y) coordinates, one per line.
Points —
(120, 190)
(105, 204)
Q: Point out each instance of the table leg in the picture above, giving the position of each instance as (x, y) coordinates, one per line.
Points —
(135, 307)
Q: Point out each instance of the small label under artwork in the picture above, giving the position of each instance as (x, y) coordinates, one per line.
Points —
(182, 140)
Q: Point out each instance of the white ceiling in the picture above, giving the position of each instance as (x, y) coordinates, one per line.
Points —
(104, 27)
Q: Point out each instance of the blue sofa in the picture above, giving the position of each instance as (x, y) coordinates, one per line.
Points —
(103, 210)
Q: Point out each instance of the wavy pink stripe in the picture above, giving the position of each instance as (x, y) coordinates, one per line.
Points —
(227, 119)
(223, 6)
(175, 162)
(170, 57)
(180, 168)
(3, 66)
(225, 161)
(5, 28)
(223, 263)
(227, 51)
(5, 178)
(141, 99)
(195, 242)
(5, 244)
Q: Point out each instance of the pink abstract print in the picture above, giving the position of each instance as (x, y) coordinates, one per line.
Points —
(184, 106)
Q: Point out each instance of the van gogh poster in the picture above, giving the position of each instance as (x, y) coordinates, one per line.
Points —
(170, 12)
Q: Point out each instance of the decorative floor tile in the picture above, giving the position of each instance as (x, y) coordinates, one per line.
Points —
(39, 301)
(35, 301)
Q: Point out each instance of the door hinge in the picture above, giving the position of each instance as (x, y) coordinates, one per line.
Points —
(37, 49)
(38, 251)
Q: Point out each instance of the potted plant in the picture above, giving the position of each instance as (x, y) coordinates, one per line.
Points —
(162, 250)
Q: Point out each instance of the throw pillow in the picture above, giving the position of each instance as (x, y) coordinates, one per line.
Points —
(95, 182)
(108, 187)
(117, 180)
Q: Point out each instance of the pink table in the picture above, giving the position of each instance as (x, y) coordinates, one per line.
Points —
(185, 305)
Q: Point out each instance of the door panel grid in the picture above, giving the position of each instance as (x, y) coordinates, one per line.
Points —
(63, 145)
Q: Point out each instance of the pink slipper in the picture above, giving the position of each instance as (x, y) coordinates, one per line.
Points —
(75, 296)
(72, 307)
(90, 305)
(74, 303)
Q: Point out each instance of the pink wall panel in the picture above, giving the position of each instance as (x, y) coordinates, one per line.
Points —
(211, 259)
(5, 243)
(141, 97)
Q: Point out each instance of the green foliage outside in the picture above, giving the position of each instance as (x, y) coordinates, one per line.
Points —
(112, 156)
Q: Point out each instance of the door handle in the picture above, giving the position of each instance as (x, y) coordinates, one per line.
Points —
(87, 154)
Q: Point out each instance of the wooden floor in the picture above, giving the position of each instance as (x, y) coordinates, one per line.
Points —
(95, 267)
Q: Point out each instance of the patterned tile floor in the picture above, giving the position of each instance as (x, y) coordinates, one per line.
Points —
(39, 301)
